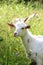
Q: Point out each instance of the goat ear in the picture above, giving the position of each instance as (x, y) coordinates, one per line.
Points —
(28, 26)
(10, 24)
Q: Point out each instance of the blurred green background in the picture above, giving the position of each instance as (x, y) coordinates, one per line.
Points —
(12, 51)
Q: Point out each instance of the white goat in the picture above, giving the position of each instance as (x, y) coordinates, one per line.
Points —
(33, 44)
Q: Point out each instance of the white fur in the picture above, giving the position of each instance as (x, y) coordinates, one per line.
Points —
(33, 44)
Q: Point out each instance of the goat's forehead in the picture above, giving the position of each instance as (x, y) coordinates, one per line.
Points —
(20, 24)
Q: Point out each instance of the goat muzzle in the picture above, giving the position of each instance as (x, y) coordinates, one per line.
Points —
(15, 34)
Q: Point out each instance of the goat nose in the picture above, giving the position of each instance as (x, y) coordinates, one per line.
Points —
(15, 34)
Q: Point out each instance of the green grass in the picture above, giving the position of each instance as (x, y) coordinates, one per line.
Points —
(12, 51)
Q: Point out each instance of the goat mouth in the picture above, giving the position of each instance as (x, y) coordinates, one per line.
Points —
(15, 35)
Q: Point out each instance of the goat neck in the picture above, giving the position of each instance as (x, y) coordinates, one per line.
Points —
(27, 38)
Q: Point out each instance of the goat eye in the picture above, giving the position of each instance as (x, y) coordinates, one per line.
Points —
(22, 28)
